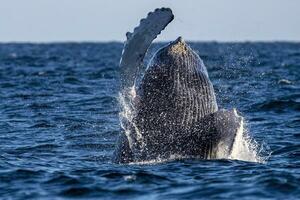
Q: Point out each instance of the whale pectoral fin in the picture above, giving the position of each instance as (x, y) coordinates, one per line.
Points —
(138, 43)
(227, 123)
(123, 153)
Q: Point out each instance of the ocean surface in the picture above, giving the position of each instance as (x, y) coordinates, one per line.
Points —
(59, 121)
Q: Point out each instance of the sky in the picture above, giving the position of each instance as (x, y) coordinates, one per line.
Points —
(109, 20)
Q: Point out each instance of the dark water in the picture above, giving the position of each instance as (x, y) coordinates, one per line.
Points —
(59, 123)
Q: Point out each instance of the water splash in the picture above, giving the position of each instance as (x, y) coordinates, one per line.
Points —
(126, 100)
(245, 148)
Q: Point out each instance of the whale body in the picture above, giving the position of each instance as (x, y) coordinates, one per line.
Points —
(173, 108)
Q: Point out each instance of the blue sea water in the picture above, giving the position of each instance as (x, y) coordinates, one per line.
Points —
(59, 123)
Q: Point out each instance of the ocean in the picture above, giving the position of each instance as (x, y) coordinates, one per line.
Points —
(59, 122)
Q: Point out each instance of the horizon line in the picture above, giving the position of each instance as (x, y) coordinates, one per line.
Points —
(159, 41)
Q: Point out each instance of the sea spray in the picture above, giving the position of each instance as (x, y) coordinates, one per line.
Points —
(244, 147)
(126, 101)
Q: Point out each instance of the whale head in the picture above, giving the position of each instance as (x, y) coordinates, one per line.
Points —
(179, 54)
(176, 80)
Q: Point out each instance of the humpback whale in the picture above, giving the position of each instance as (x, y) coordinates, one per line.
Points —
(172, 109)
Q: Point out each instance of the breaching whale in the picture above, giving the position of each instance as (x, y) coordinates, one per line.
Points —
(172, 109)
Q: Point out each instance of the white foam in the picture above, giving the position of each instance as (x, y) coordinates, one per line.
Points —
(245, 148)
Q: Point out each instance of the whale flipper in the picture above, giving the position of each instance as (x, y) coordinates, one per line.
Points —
(227, 123)
(133, 54)
(138, 43)
(216, 134)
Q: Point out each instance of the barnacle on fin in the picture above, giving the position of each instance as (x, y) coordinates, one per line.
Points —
(128, 35)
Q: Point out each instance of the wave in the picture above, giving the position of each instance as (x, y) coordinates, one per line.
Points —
(278, 105)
